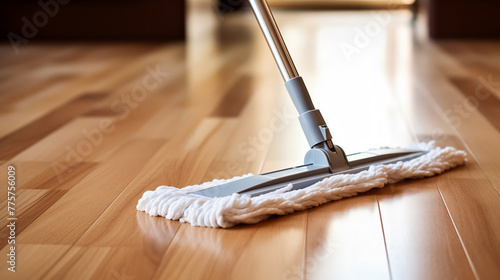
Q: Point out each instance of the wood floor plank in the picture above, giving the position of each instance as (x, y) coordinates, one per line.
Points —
(249, 142)
(121, 130)
(14, 86)
(62, 179)
(115, 73)
(345, 240)
(478, 133)
(479, 58)
(9, 100)
(99, 263)
(85, 257)
(18, 141)
(70, 142)
(483, 100)
(282, 238)
(99, 188)
(478, 226)
(67, 61)
(25, 200)
(30, 205)
(147, 238)
(204, 253)
(53, 157)
(28, 169)
(421, 241)
(186, 102)
(461, 200)
(479, 169)
(33, 260)
(235, 99)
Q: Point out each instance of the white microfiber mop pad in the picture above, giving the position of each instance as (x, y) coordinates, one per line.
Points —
(225, 212)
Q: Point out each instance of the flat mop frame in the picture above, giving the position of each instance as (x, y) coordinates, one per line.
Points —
(324, 159)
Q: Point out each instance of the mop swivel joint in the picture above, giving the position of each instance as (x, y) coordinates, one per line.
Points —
(314, 127)
(322, 155)
(323, 152)
(310, 118)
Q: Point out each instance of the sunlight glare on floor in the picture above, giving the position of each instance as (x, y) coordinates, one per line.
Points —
(355, 88)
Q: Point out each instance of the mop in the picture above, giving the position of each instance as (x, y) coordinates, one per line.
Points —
(327, 174)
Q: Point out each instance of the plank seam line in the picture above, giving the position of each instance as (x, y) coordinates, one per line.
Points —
(58, 259)
(95, 221)
(120, 194)
(457, 232)
(436, 107)
(155, 271)
(304, 255)
(385, 243)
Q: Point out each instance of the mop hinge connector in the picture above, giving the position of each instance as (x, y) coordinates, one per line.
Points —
(323, 155)
(314, 127)
(311, 120)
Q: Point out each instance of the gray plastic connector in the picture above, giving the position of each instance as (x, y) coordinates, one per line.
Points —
(311, 120)
(314, 127)
(299, 94)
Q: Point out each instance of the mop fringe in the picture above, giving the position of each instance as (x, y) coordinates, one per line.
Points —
(225, 212)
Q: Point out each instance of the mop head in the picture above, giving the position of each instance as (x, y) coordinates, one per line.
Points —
(225, 212)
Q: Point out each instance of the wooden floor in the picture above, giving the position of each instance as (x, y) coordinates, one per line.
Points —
(90, 127)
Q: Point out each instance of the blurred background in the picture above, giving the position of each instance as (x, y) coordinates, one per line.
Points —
(162, 20)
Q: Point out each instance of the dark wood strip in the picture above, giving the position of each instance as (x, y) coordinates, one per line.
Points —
(90, 197)
(8, 100)
(19, 140)
(236, 98)
(477, 97)
(34, 210)
(60, 176)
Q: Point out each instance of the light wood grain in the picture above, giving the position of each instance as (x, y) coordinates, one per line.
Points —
(345, 240)
(208, 254)
(98, 188)
(221, 111)
(421, 244)
(31, 204)
(147, 238)
(40, 259)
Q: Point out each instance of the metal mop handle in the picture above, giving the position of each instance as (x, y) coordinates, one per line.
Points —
(274, 39)
(323, 151)
(313, 124)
